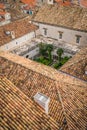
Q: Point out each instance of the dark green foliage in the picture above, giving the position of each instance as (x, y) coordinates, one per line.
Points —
(43, 60)
(42, 49)
(57, 65)
(62, 62)
(46, 56)
(49, 50)
(60, 52)
(45, 51)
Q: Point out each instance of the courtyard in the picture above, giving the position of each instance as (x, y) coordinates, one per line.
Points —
(31, 50)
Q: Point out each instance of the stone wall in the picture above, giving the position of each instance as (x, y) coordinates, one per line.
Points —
(68, 35)
(33, 53)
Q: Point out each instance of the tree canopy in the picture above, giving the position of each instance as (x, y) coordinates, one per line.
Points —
(59, 52)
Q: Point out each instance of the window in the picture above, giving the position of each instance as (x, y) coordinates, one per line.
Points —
(30, 12)
(27, 12)
(78, 38)
(45, 31)
(60, 35)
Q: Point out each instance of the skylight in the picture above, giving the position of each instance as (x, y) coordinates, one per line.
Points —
(42, 100)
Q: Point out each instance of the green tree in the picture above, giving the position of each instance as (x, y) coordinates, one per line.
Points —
(42, 49)
(60, 52)
(49, 51)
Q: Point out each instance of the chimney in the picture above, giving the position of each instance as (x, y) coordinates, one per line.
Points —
(7, 16)
(43, 101)
(13, 34)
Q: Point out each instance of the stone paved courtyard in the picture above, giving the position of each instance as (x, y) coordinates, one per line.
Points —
(69, 50)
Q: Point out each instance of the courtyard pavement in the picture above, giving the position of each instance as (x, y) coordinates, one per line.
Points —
(30, 45)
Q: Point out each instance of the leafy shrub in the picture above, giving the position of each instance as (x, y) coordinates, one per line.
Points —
(46, 62)
(43, 60)
(57, 65)
(64, 60)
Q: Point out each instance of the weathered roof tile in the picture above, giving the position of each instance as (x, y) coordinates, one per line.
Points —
(67, 94)
(72, 17)
(20, 27)
(76, 66)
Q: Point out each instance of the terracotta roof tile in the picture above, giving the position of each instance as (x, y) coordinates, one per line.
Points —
(76, 65)
(20, 112)
(72, 17)
(2, 6)
(83, 3)
(31, 88)
(2, 12)
(20, 28)
(68, 95)
(74, 99)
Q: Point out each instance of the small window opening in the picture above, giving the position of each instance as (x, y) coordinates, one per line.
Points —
(78, 38)
(45, 31)
(60, 35)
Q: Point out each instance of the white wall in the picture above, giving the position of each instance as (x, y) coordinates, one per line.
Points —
(5, 22)
(17, 42)
(32, 53)
(37, 32)
(50, 2)
(69, 36)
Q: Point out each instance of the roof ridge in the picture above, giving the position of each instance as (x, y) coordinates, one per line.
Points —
(7, 81)
(60, 98)
(46, 71)
(72, 76)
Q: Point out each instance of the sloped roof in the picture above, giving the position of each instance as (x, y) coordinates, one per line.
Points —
(2, 12)
(83, 3)
(31, 3)
(20, 112)
(76, 65)
(65, 3)
(2, 6)
(67, 94)
(16, 14)
(20, 28)
(72, 17)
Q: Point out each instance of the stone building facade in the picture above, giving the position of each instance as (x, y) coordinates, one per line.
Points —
(67, 25)
(63, 35)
